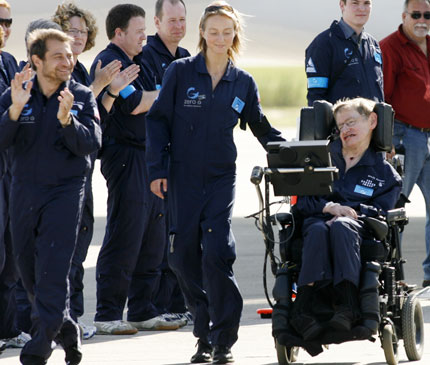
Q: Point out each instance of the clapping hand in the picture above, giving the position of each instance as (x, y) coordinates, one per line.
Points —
(66, 102)
(104, 76)
(124, 78)
(20, 92)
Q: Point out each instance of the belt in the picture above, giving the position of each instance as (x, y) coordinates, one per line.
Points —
(425, 130)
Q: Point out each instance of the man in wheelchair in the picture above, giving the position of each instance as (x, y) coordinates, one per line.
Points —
(332, 230)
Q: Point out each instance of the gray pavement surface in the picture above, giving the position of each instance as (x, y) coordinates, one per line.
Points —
(255, 344)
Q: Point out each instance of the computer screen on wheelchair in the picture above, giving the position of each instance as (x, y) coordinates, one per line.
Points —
(300, 168)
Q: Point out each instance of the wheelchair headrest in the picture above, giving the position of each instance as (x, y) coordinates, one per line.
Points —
(317, 122)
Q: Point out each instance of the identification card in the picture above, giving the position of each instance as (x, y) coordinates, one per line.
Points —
(238, 105)
(363, 190)
(378, 58)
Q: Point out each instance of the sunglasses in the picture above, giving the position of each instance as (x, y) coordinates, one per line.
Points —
(7, 22)
(417, 15)
(215, 8)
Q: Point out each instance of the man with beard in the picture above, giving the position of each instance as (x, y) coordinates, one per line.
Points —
(344, 61)
(50, 126)
(407, 89)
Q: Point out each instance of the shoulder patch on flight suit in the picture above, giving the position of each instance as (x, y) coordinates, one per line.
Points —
(310, 67)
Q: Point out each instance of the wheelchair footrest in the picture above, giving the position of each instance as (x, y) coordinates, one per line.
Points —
(315, 347)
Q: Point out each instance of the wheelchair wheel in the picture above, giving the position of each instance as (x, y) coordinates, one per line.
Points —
(390, 344)
(413, 328)
(286, 355)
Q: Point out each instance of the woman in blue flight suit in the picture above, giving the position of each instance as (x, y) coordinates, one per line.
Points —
(190, 145)
(367, 183)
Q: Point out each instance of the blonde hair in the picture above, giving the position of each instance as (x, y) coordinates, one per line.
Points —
(224, 9)
(68, 10)
(361, 105)
(4, 4)
(1, 37)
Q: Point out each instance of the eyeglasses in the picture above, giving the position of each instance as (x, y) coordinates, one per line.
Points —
(76, 32)
(348, 124)
(215, 8)
(417, 15)
(7, 22)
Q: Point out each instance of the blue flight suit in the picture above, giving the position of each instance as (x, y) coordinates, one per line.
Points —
(129, 259)
(371, 184)
(76, 277)
(190, 142)
(49, 168)
(337, 67)
(156, 58)
(8, 273)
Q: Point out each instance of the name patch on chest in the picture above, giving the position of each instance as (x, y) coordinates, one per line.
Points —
(363, 190)
(238, 105)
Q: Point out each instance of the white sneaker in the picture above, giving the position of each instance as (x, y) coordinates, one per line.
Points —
(18, 342)
(159, 323)
(175, 317)
(189, 317)
(88, 330)
(118, 327)
(2, 346)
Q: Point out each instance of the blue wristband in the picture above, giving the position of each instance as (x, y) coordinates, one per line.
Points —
(127, 91)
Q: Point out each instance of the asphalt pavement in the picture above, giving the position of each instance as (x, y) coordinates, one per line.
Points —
(255, 344)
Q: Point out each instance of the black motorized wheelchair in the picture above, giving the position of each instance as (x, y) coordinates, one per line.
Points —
(389, 307)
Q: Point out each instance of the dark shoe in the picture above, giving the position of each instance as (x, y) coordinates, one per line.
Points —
(426, 283)
(307, 326)
(203, 354)
(342, 320)
(73, 354)
(222, 355)
(32, 360)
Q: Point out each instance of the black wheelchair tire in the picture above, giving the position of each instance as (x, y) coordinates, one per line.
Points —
(390, 345)
(413, 328)
(286, 355)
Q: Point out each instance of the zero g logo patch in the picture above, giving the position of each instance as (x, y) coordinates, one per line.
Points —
(26, 111)
(192, 93)
(194, 99)
(26, 115)
(348, 52)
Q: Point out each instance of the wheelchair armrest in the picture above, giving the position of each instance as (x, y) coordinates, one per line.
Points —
(283, 218)
(396, 215)
(379, 228)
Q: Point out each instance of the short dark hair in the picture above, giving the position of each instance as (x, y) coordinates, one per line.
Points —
(405, 7)
(119, 17)
(159, 6)
(37, 42)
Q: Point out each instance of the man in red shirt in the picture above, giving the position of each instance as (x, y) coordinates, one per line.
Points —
(407, 88)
